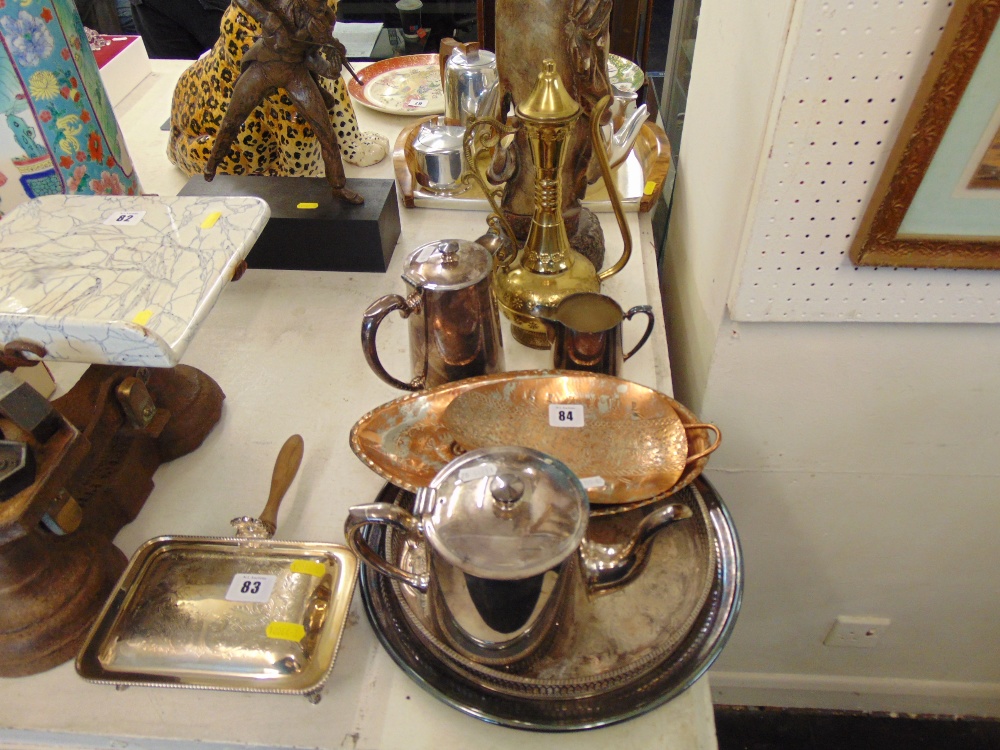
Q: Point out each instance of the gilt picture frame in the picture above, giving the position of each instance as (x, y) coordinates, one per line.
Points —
(937, 202)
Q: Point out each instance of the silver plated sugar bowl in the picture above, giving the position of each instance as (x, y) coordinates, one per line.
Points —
(439, 158)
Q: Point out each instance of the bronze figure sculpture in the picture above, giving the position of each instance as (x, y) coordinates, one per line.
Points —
(296, 45)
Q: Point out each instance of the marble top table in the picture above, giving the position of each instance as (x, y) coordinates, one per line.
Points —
(285, 347)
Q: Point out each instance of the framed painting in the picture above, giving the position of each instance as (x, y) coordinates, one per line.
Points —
(937, 203)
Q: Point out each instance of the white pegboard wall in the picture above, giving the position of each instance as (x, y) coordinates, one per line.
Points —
(852, 72)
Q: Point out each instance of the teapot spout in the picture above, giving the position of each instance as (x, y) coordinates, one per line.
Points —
(620, 143)
(609, 566)
(489, 105)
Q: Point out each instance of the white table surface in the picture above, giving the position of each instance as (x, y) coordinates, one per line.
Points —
(285, 347)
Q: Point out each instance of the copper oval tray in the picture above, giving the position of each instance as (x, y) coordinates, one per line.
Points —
(407, 441)
(626, 438)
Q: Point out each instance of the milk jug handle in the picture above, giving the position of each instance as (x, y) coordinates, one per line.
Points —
(646, 310)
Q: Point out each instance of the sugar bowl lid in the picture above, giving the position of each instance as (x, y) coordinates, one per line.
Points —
(447, 264)
(436, 137)
(504, 513)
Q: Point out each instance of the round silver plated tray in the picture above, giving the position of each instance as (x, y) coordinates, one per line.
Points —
(534, 697)
(601, 642)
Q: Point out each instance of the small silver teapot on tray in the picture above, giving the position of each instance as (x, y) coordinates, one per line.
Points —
(470, 80)
(440, 160)
(504, 530)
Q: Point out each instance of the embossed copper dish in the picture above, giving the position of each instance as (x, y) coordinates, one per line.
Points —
(637, 445)
(247, 613)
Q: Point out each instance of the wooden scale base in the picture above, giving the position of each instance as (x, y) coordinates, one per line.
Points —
(93, 473)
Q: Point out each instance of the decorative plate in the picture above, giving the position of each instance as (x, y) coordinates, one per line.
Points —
(625, 74)
(407, 85)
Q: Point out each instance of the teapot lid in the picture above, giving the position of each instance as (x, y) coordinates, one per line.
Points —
(448, 264)
(470, 57)
(504, 513)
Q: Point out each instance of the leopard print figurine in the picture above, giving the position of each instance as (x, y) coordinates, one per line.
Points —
(275, 140)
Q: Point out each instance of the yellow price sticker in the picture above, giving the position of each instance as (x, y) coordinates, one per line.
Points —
(649, 188)
(210, 220)
(309, 567)
(286, 631)
(307, 205)
(143, 317)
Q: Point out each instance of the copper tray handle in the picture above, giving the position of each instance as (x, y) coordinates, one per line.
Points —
(709, 449)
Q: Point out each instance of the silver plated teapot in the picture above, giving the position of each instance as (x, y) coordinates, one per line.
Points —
(469, 76)
(504, 530)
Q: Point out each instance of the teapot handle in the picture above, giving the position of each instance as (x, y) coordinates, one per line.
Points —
(374, 315)
(602, 157)
(361, 516)
(709, 449)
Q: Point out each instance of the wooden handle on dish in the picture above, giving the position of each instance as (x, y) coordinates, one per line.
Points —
(286, 466)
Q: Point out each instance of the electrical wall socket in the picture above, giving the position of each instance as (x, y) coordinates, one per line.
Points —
(856, 632)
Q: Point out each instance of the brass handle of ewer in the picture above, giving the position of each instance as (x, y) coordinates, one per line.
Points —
(616, 203)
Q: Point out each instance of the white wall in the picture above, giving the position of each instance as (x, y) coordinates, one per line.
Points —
(861, 461)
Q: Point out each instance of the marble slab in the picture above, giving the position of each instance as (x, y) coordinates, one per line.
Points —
(119, 280)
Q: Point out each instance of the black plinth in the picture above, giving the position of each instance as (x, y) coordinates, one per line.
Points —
(309, 229)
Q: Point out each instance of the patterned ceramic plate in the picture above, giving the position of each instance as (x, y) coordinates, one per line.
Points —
(625, 74)
(408, 85)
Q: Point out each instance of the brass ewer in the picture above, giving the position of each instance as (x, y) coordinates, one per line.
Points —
(531, 282)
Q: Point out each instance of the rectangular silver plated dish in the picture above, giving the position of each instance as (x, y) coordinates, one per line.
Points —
(228, 614)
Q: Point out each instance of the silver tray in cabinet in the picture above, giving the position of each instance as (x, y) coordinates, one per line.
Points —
(594, 688)
(254, 615)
